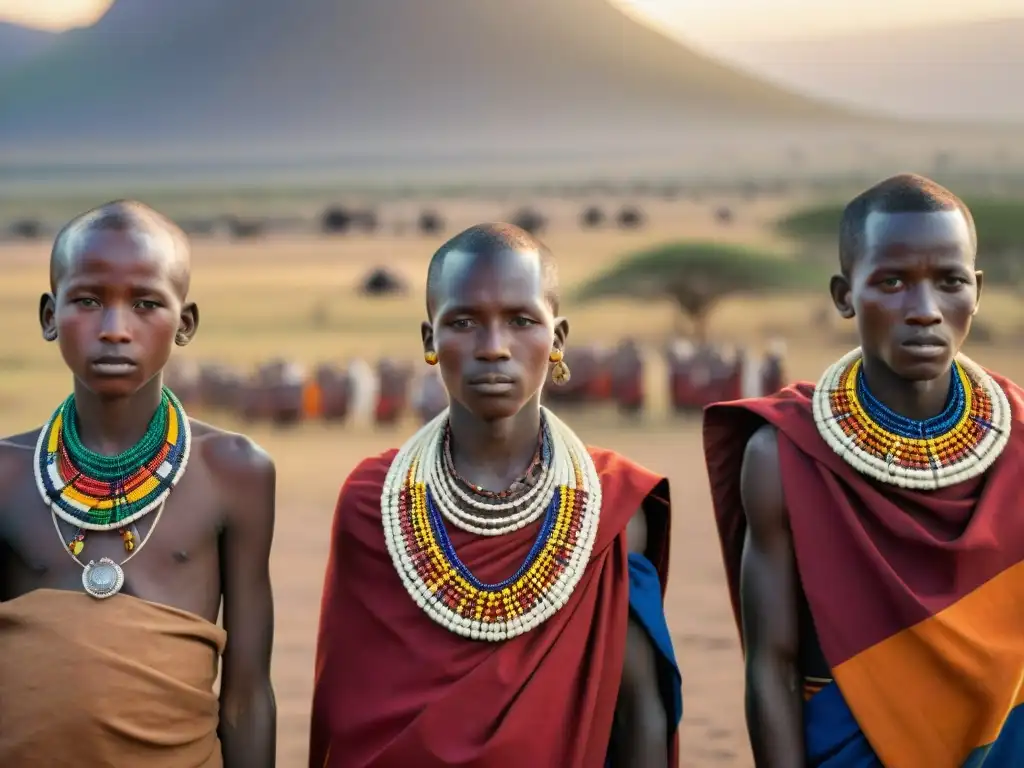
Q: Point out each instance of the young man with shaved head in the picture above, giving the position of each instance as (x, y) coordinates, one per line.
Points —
(494, 592)
(114, 561)
(873, 525)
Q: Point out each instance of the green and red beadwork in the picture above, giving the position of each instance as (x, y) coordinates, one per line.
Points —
(958, 444)
(94, 492)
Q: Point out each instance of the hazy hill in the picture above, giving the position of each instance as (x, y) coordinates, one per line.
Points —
(382, 76)
(19, 44)
(949, 72)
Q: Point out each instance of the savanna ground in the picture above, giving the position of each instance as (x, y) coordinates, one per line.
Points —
(258, 300)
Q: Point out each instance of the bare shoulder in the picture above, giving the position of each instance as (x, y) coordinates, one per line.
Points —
(230, 454)
(16, 455)
(242, 473)
(761, 480)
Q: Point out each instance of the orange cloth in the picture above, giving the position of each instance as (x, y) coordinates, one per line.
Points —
(312, 401)
(118, 683)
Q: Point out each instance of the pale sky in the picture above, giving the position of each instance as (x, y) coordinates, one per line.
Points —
(705, 21)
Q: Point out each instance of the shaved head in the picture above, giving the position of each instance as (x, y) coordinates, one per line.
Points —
(153, 231)
(904, 193)
(492, 306)
(490, 241)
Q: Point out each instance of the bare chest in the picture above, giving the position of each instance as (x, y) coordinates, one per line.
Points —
(173, 558)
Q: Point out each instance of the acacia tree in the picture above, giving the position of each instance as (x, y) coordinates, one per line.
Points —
(696, 276)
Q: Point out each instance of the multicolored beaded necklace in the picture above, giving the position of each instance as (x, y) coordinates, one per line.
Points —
(540, 461)
(960, 443)
(94, 492)
(421, 494)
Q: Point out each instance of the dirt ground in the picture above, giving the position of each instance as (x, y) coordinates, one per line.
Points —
(294, 296)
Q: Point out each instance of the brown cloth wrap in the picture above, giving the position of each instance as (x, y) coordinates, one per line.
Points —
(117, 683)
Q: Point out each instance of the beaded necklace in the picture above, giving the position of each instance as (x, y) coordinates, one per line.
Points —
(960, 443)
(421, 495)
(100, 493)
(541, 458)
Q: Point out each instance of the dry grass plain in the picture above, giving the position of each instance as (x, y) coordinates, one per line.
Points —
(257, 300)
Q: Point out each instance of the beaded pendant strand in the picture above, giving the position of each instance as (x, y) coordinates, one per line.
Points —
(100, 493)
(960, 443)
(421, 494)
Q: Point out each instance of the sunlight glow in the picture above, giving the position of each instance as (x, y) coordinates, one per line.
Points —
(53, 14)
(735, 20)
(700, 20)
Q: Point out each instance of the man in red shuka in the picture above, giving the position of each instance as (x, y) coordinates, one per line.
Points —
(504, 628)
(871, 524)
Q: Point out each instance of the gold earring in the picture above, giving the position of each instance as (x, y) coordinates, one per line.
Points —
(430, 358)
(560, 373)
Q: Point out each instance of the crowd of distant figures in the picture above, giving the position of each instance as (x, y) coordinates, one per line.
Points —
(386, 393)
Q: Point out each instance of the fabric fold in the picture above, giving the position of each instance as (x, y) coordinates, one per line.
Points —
(125, 681)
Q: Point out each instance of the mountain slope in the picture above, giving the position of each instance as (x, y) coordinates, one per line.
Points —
(948, 72)
(20, 44)
(382, 75)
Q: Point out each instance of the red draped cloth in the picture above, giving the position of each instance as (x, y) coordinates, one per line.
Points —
(915, 595)
(394, 689)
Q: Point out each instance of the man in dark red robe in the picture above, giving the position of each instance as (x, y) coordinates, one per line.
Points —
(872, 524)
(593, 683)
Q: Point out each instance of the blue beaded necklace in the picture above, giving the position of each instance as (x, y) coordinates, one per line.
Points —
(958, 444)
(894, 423)
(442, 538)
(550, 518)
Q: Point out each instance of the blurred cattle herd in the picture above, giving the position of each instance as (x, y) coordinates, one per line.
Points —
(388, 392)
(344, 220)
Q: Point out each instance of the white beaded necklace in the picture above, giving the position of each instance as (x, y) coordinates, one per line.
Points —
(452, 498)
(430, 570)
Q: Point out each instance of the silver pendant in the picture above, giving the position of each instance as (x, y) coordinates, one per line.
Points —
(103, 579)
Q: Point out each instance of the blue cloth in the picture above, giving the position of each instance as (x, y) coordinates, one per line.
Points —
(832, 737)
(1007, 750)
(647, 609)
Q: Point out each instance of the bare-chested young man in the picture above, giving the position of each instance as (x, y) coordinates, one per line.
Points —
(504, 628)
(125, 528)
(873, 524)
